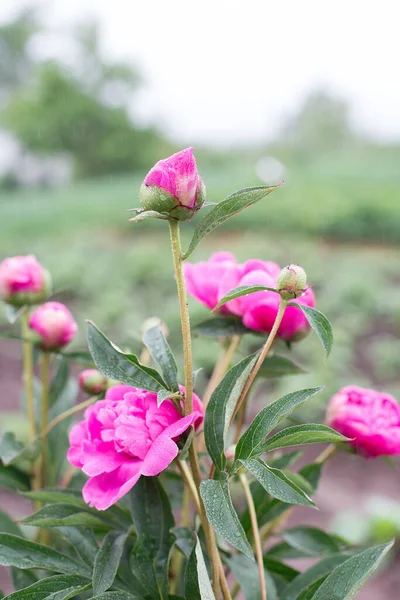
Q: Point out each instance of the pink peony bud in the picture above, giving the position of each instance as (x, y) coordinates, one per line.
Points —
(124, 436)
(92, 381)
(23, 281)
(291, 282)
(371, 418)
(54, 325)
(174, 186)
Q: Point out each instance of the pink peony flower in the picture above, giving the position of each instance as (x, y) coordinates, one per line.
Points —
(124, 436)
(209, 281)
(54, 325)
(174, 186)
(203, 279)
(92, 381)
(23, 280)
(371, 418)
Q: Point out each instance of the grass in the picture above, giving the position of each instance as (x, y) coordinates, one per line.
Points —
(118, 274)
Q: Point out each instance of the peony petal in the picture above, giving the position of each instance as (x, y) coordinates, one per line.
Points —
(103, 491)
(100, 458)
(116, 392)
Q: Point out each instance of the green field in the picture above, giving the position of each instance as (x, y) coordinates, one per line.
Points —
(340, 221)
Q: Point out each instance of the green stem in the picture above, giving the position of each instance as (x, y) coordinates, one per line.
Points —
(66, 414)
(184, 311)
(27, 361)
(44, 413)
(262, 357)
(256, 534)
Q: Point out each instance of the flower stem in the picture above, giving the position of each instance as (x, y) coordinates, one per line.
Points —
(256, 534)
(262, 357)
(44, 413)
(185, 321)
(325, 454)
(27, 361)
(66, 414)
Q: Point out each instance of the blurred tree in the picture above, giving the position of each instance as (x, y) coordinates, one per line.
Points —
(83, 111)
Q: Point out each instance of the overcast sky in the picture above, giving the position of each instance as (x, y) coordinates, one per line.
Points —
(225, 71)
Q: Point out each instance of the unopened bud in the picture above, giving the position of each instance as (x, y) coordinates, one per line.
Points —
(23, 280)
(230, 454)
(291, 282)
(53, 326)
(92, 381)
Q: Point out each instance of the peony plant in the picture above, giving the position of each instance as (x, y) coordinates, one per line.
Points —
(158, 493)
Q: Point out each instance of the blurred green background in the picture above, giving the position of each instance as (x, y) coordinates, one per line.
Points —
(78, 159)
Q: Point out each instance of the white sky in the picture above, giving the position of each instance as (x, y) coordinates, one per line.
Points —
(226, 71)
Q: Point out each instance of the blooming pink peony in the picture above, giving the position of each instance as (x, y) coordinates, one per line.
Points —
(23, 280)
(209, 282)
(203, 279)
(92, 381)
(54, 325)
(124, 436)
(174, 186)
(371, 418)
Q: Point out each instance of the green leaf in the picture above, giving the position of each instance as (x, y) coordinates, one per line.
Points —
(222, 514)
(229, 207)
(22, 579)
(153, 520)
(148, 214)
(18, 552)
(276, 483)
(243, 290)
(58, 587)
(59, 381)
(7, 525)
(116, 596)
(319, 323)
(303, 434)
(11, 450)
(81, 357)
(165, 394)
(313, 574)
(312, 541)
(221, 327)
(52, 495)
(279, 366)
(82, 540)
(312, 474)
(251, 442)
(221, 407)
(184, 540)
(310, 591)
(280, 570)
(107, 561)
(13, 313)
(197, 582)
(60, 514)
(347, 579)
(121, 366)
(246, 574)
(13, 478)
(162, 355)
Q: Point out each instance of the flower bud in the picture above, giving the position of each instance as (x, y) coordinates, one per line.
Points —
(53, 324)
(230, 453)
(23, 280)
(92, 381)
(154, 322)
(174, 186)
(291, 282)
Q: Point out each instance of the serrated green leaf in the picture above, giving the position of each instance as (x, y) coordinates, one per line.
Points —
(276, 483)
(162, 355)
(312, 541)
(107, 561)
(221, 327)
(222, 514)
(82, 540)
(279, 366)
(347, 579)
(221, 407)
(60, 514)
(197, 582)
(319, 323)
(251, 442)
(229, 207)
(121, 366)
(153, 520)
(58, 587)
(11, 450)
(313, 574)
(246, 574)
(243, 290)
(19, 552)
(13, 478)
(300, 435)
